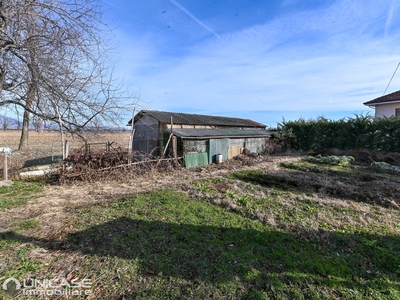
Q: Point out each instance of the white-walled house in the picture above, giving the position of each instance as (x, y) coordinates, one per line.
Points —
(386, 106)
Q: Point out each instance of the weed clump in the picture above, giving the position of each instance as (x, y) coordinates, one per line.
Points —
(332, 160)
(385, 166)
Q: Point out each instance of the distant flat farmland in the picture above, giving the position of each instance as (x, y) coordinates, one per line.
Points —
(47, 144)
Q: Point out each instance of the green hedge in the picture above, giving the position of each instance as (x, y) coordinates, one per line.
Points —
(360, 132)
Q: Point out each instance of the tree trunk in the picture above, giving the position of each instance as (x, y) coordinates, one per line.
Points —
(23, 142)
(30, 97)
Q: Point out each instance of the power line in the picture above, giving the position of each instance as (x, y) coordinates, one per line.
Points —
(391, 78)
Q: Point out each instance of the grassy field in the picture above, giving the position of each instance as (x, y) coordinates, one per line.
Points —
(284, 229)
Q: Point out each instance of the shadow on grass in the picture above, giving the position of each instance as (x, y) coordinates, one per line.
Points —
(360, 190)
(280, 183)
(255, 257)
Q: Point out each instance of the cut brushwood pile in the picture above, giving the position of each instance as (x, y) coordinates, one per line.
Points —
(94, 166)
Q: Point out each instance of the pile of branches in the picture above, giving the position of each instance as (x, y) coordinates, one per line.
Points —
(97, 166)
(96, 160)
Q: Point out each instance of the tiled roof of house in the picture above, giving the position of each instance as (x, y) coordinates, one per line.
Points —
(384, 99)
(195, 119)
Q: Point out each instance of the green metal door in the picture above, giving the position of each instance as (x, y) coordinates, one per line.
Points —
(196, 160)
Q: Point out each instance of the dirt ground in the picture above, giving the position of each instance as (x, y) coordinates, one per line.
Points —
(51, 208)
(57, 205)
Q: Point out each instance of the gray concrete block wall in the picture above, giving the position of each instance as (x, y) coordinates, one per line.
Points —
(196, 146)
(237, 142)
(256, 145)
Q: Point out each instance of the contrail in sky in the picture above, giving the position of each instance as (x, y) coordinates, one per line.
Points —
(194, 18)
(389, 17)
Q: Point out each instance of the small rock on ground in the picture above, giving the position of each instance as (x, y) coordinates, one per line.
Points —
(6, 183)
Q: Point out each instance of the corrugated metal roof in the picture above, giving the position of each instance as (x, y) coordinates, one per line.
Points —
(195, 119)
(221, 132)
(383, 99)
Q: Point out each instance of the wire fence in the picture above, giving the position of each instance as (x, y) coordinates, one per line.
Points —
(152, 146)
(45, 148)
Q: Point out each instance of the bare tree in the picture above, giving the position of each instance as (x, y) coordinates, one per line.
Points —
(4, 122)
(17, 113)
(54, 64)
(37, 123)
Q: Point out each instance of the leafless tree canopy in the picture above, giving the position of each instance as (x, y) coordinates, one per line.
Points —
(54, 62)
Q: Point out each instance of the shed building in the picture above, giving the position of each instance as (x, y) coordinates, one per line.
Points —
(199, 138)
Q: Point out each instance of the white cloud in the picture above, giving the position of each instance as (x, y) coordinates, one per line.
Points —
(325, 60)
(391, 16)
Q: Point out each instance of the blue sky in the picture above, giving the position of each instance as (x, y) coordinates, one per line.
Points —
(257, 59)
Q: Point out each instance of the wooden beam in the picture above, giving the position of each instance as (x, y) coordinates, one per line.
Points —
(5, 168)
(130, 146)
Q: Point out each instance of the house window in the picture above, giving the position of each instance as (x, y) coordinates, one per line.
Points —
(397, 112)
